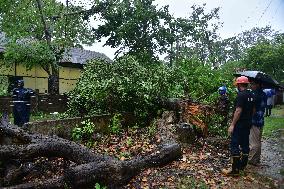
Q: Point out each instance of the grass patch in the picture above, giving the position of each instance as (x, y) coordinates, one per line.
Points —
(278, 110)
(274, 123)
(41, 116)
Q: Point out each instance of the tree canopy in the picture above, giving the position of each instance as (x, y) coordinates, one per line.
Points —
(136, 27)
(40, 31)
(267, 56)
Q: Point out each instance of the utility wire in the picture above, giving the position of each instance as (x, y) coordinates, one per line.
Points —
(265, 10)
(252, 13)
(276, 10)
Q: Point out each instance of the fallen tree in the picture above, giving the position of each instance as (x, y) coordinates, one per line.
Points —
(193, 113)
(20, 149)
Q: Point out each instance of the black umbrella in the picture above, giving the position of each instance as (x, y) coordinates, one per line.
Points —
(259, 76)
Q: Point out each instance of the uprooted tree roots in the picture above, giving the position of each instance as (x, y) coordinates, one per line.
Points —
(20, 149)
(193, 113)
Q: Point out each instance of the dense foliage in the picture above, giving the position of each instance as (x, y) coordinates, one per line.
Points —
(122, 86)
(136, 27)
(3, 86)
(141, 29)
(45, 29)
(127, 85)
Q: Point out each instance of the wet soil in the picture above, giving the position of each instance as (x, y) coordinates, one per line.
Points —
(272, 158)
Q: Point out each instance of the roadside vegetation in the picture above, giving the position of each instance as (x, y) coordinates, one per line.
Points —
(274, 125)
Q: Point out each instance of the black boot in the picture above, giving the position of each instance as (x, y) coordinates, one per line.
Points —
(243, 161)
(234, 171)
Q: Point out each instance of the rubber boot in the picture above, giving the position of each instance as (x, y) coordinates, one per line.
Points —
(234, 171)
(243, 161)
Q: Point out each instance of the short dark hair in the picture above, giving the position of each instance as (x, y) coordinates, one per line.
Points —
(256, 82)
(244, 84)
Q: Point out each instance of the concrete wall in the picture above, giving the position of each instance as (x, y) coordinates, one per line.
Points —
(41, 103)
(63, 127)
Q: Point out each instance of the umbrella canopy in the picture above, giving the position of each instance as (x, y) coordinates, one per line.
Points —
(259, 76)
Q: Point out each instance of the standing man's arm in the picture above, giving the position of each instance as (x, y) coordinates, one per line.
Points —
(14, 94)
(236, 117)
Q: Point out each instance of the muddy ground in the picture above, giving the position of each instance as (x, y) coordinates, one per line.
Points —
(201, 164)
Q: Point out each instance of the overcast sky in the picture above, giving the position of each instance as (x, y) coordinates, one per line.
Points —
(236, 15)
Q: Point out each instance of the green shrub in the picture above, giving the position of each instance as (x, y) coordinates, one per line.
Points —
(215, 126)
(200, 81)
(4, 83)
(115, 125)
(98, 186)
(122, 86)
(127, 85)
(84, 132)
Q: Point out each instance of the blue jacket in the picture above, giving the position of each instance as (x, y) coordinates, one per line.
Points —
(260, 104)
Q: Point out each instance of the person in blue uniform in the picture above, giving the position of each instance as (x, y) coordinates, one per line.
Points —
(223, 105)
(22, 103)
(240, 126)
(269, 101)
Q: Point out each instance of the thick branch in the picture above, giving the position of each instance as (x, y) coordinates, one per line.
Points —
(46, 29)
(44, 146)
(91, 168)
(112, 173)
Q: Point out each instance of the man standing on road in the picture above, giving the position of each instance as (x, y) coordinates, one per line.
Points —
(240, 127)
(269, 102)
(257, 123)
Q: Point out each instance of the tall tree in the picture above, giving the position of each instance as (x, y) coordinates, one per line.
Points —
(139, 28)
(234, 48)
(41, 31)
(136, 27)
(268, 56)
(196, 35)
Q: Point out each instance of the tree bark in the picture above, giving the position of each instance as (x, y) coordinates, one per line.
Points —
(53, 79)
(53, 84)
(88, 168)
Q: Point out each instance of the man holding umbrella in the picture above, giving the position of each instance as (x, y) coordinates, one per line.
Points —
(257, 123)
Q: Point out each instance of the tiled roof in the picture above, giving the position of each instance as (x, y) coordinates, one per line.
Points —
(81, 56)
(74, 55)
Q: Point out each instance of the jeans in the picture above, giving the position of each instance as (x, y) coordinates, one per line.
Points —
(240, 138)
(255, 144)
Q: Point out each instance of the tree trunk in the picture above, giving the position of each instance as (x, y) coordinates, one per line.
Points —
(53, 84)
(53, 79)
(86, 168)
